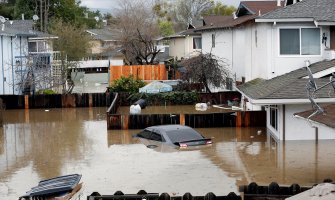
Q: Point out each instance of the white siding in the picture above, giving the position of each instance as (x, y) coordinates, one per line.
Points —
(10, 76)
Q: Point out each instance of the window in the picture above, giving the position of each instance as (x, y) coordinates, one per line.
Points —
(213, 40)
(32, 47)
(274, 117)
(156, 137)
(197, 43)
(332, 37)
(303, 41)
(144, 134)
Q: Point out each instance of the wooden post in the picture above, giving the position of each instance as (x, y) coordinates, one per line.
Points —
(182, 119)
(90, 100)
(26, 101)
(124, 122)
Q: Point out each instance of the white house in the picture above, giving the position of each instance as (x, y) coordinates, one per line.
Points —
(22, 45)
(293, 36)
(237, 38)
(13, 48)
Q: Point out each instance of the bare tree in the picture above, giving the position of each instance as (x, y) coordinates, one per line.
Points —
(188, 10)
(206, 69)
(137, 29)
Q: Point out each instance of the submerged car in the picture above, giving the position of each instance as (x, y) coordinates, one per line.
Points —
(176, 135)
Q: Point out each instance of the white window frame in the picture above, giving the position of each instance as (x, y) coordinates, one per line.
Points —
(299, 55)
(193, 42)
(276, 116)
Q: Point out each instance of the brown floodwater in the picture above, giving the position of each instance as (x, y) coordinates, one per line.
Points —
(40, 144)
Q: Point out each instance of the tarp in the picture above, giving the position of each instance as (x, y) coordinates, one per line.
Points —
(156, 87)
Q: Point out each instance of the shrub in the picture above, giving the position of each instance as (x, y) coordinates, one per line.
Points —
(46, 91)
(126, 84)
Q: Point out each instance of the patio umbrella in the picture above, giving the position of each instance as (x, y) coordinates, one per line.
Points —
(156, 87)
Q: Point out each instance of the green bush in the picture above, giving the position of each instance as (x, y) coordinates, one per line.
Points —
(126, 84)
(46, 91)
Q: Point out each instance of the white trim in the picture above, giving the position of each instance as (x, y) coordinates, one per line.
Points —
(324, 23)
(312, 121)
(286, 20)
(43, 38)
(323, 73)
(288, 101)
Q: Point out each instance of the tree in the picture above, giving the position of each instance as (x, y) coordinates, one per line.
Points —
(164, 19)
(73, 44)
(206, 69)
(137, 28)
(69, 11)
(220, 9)
(188, 10)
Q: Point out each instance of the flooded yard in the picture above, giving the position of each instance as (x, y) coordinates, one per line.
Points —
(40, 144)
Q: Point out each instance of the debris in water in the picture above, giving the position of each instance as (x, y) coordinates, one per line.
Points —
(46, 110)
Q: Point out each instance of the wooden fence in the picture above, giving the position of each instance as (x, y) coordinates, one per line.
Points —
(143, 72)
(56, 100)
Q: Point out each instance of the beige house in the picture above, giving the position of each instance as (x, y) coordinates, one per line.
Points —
(185, 44)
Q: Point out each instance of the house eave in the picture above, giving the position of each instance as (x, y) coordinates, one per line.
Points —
(287, 101)
(285, 20)
(324, 23)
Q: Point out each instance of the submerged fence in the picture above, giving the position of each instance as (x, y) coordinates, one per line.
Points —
(56, 100)
(235, 118)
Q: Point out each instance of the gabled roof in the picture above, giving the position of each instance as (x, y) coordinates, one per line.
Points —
(102, 34)
(14, 32)
(290, 86)
(327, 118)
(306, 10)
(190, 31)
(247, 11)
(256, 7)
(26, 26)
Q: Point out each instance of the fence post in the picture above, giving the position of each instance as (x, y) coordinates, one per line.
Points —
(90, 100)
(26, 101)
(1, 112)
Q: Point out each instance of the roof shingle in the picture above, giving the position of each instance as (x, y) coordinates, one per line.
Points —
(289, 86)
(319, 10)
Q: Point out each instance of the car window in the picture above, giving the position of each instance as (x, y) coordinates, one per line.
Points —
(156, 137)
(183, 135)
(144, 134)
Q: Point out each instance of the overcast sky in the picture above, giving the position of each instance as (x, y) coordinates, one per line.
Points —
(109, 4)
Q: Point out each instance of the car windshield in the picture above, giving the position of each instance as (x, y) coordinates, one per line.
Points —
(183, 135)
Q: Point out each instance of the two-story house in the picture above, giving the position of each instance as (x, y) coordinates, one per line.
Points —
(298, 35)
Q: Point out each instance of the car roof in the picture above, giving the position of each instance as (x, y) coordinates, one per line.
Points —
(169, 127)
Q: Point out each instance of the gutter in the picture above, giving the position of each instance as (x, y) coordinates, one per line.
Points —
(288, 101)
(285, 20)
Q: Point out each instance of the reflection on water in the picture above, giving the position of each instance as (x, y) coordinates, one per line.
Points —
(40, 144)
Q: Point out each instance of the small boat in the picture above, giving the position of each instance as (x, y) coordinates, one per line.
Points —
(59, 188)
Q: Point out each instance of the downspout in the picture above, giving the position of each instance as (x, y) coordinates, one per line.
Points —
(12, 58)
(232, 50)
(316, 134)
(2, 66)
(21, 64)
(284, 118)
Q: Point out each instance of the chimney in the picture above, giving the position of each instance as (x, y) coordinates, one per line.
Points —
(234, 15)
(278, 3)
(22, 16)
